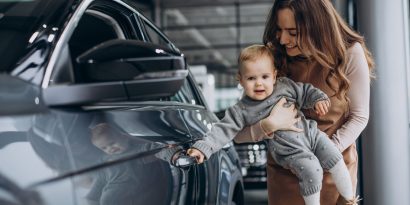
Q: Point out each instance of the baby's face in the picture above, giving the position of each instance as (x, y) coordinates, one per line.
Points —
(111, 144)
(258, 78)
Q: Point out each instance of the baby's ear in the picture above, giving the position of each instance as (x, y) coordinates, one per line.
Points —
(238, 77)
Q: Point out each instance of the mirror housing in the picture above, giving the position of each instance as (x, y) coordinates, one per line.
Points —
(81, 94)
(121, 70)
(122, 60)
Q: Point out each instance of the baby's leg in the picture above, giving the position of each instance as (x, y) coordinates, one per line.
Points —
(310, 174)
(341, 177)
(313, 199)
(331, 159)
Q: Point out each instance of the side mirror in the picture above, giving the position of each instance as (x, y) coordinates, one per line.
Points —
(120, 70)
(122, 60)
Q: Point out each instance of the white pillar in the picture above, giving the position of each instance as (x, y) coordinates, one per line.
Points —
(386, 155)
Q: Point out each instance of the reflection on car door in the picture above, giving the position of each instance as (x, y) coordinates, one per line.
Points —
(122, 157)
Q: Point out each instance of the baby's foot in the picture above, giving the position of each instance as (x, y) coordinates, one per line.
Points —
(354, 201)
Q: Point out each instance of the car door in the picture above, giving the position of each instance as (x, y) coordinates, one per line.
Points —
(214, 177)
(198, 186)
(219, 173)
(122, 154)
(31, 154)
(199, 120)
(103, 21)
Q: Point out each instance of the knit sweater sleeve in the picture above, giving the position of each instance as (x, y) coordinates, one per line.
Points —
(305, 94)
(359, 96)
(222, 132)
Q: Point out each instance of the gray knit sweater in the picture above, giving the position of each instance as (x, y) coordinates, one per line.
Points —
(248, 111)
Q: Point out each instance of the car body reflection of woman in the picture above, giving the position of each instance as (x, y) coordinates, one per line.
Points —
(313, 44)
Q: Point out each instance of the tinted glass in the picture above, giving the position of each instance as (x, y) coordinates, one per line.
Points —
(154, 36)
(186, 95)
(19, 21)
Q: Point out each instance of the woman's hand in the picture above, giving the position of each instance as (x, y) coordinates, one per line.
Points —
(281, 118)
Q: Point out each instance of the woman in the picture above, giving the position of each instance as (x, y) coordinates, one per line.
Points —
(312, 44)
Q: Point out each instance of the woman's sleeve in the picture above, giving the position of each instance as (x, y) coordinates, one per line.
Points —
(359, 96)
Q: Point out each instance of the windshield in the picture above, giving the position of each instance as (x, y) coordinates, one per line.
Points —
(19, 21)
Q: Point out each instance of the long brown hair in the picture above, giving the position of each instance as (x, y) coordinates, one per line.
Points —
(323, 32)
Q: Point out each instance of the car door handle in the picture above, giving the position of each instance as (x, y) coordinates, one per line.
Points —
(184, 161)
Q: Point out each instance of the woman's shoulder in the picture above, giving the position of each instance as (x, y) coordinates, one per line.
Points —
(356, 58)
(355, 48)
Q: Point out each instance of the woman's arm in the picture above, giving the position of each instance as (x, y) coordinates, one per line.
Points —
(359, 96)
(280, 118)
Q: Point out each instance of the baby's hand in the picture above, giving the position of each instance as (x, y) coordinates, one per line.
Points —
(197, 154)
(322, 107)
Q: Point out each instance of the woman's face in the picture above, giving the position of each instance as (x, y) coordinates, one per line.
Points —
(287, 33)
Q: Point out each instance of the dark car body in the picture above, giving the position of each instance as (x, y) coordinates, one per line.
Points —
(69, 68)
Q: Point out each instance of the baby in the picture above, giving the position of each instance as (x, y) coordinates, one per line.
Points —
(109, 140)
(306, 153)
(119, 183)
(116, 143)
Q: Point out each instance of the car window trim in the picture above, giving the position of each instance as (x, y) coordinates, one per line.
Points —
(65, 35)
(158, 31)
(142, 18)
(196, 91)
(109, 20)
(138, 23)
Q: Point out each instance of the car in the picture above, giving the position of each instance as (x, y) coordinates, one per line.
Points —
(99, 107)
(253, 162)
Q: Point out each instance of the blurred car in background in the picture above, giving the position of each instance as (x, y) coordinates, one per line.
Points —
(98, 107)
(253, 162)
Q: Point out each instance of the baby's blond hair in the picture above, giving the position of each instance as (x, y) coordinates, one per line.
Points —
(252, 53)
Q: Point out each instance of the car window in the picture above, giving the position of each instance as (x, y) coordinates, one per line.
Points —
(97, 25)
(94, 28)
(18, 23)
(154, 36)
(186, 94)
